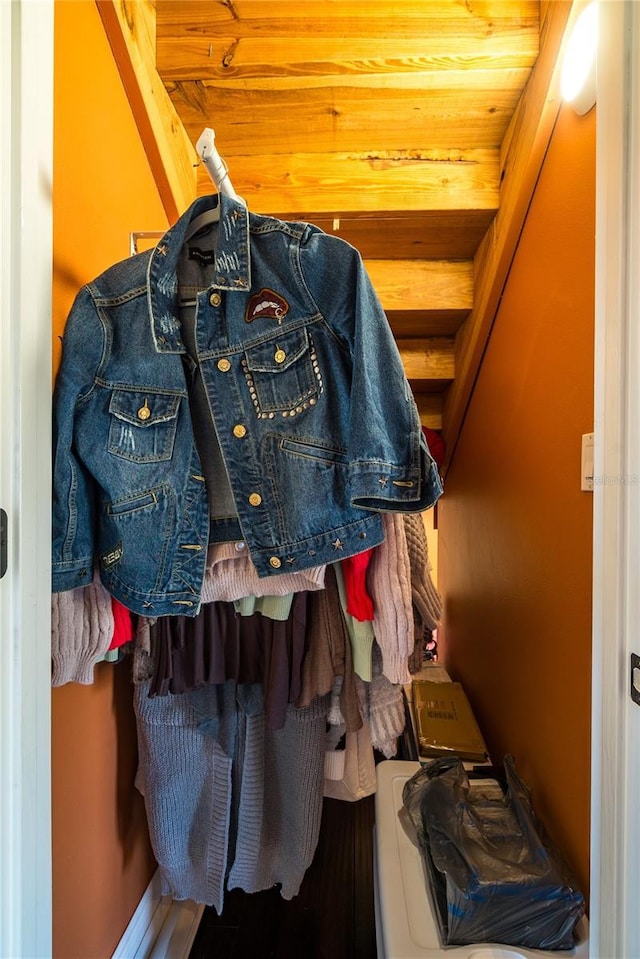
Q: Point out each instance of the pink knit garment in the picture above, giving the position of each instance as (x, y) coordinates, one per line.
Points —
(390, 585)
(231, 575)
(426, 597)
(81, 630)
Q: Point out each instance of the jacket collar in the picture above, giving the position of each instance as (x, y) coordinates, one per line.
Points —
(232, 259)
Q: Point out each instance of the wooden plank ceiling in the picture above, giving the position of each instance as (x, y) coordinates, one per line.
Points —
(389, 122)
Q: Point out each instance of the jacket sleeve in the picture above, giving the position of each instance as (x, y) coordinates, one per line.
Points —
(73, 515)
(390, 464)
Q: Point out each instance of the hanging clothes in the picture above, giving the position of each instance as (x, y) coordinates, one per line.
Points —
(220, 644)
(290, 360)
(82, 627)
(235, 446)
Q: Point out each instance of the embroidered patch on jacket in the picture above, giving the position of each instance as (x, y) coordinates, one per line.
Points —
(113, 557)
(266, 303)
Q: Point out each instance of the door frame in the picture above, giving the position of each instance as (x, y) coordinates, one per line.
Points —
(26, 144)
(26, 170)
(615, 762)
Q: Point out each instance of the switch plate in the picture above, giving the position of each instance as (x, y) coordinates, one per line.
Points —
(586, 473)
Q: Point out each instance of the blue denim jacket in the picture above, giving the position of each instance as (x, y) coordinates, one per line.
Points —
(316, 421)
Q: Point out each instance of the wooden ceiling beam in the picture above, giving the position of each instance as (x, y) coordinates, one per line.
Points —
(306, 184)
(410, 324)
(425, 75)
(315, 61)
(130, 29)
(429, 363)
(422, 285)
(523, 154)
(339, 120)
(349, 18)
(427, 234)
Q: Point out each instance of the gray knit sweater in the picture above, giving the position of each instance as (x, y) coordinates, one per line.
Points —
(224, 796)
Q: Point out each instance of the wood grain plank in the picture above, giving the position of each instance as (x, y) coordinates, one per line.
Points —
(336, 119)
(523, 155)
(130, 29)
(303, 185)
(412, 324)
(422, 285)
(383, 236)
(229, 57)
(428, 361)
(425, 234)
(347, 18)
(223, 65)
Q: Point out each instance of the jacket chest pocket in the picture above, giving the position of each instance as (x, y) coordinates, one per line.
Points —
(283, 375)
(142, 425)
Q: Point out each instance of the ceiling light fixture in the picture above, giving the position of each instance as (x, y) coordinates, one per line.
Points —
(578, 78)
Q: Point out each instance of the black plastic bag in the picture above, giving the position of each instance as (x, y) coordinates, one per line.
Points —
(494, 875)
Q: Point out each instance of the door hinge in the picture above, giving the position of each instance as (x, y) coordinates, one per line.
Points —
(3, 543)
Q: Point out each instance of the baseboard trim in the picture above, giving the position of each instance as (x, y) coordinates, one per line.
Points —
(161, 927)
(178, 931)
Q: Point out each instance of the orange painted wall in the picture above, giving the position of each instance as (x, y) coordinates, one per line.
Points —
(102, 861)
(515, 530)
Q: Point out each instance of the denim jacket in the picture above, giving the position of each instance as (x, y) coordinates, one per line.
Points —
(316, 422)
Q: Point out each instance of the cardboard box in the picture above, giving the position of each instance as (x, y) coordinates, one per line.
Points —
(445, 723)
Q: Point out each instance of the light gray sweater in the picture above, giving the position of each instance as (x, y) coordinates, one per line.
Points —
(226, 797)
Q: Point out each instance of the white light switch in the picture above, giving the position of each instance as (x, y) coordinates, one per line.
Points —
(586, 477)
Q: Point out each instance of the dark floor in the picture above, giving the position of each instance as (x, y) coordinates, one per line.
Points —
(332, 916)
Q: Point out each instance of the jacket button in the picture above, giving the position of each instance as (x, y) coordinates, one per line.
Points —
(239, 431)
(224, 365)
(275, 563)
(215, 299)
(144, 412)
(255, 499)
(279, 356)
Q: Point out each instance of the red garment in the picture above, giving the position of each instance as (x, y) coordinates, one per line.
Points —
(435, 444)
(122, 624)
(354, 569)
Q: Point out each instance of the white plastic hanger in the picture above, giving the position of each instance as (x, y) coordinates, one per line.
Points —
(219, 173)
